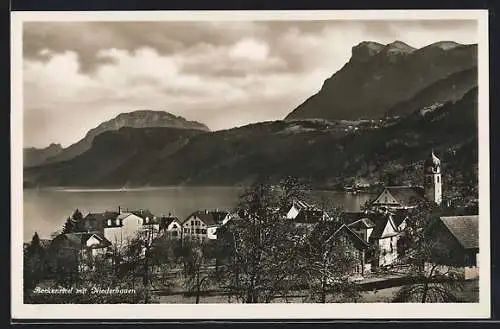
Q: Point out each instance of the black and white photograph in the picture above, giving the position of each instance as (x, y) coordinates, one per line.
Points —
(325, 161)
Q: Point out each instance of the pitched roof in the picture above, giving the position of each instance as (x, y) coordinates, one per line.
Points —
(309, 216)
(143, 213)
(353, 234)
(78, 240)
(210, 218)
(100, 219)
(103, 242)
(380, 221)
(406, 195)
(75, 240)
(464, 228)
(165, 221)
(399, 218)
(362, 223)
(298, 204)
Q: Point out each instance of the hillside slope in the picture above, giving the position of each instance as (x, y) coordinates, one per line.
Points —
(378, 77)
(34, 156)
(321, 152)
(135, 119)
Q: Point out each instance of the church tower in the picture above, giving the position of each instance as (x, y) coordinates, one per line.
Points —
(432, 176)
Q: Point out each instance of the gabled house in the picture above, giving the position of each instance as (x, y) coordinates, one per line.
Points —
(459, 237)
(399, 197)
(95, 222)
(400, 218)
(293, 210)
(79, 248)
(363, 228)
(126, 226)
(170, 226)
(355, 245)
(204, 224)
(384, 237)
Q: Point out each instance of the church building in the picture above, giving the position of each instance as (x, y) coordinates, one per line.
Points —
(406, 197)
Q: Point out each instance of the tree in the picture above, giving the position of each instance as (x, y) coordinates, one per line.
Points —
(326, 264)
(140, 260)
(77, 221)
(197, 276)
(264, 245)
(68, 226)
(34, 268)
(432, 282)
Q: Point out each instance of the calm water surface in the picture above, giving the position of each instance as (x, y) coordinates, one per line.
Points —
(46, 210)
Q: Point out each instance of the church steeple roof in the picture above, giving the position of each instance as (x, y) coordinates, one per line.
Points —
(432, 162)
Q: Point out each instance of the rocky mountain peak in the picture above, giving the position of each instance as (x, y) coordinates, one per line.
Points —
(365, 50)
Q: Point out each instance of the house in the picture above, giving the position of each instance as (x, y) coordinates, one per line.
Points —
(294, 209)
(204, 224)
(398, 197)
(406, 197)
(381, 231)
(79, 248)
(459, 237)
(363, 227)
(124, 227)
(170, 226)
(358, 247)
(400, 218)
(95, 222)
(384, 237)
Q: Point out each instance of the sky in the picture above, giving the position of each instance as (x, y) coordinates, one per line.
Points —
(223, 74)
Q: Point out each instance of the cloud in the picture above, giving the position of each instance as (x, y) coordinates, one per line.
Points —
(223, 74)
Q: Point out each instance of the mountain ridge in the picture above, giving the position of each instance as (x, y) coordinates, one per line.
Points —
(138, 119)
(384, 75)
(139, 157)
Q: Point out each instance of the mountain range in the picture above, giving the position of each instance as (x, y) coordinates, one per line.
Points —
(318, 151)
(135, 119)
(379, 79)
(359, 134)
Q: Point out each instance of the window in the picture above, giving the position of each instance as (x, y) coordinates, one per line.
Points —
(204, 231)
(192, 223)
(437, 179)
(174, 233)
(197, 231)
(186, 230)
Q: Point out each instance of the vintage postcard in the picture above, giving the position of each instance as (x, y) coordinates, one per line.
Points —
(287, 164)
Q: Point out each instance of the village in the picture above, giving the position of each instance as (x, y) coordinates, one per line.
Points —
(378, 238)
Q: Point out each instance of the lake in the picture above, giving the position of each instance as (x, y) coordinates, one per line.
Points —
(46, 210)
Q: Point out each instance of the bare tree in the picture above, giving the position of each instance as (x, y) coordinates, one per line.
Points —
(264, 245)
(326, 265)
(432, 281)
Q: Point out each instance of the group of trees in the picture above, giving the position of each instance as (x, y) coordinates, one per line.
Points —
(272, 257)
